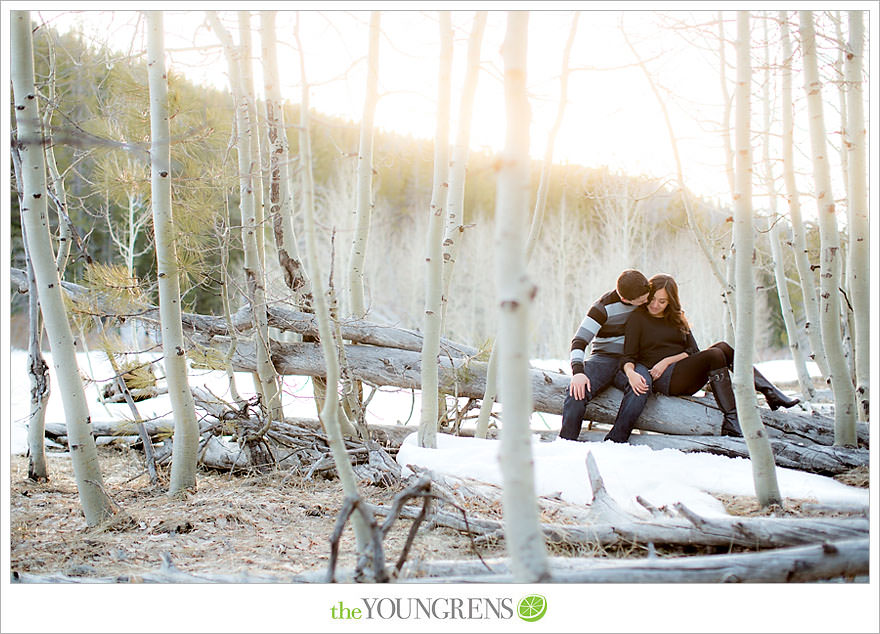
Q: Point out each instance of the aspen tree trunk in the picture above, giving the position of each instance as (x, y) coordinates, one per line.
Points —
(455, 196)
(280, 196)
(849, 345)
(267, 378)
(525, 543)
(802, 260)
(840, 73)
(841, 383)
(38, 372)
(56, 184)
(37, 368)
(760, 452)
(186, 427)
(365, 175)
(257, 182)
(728, 297)
(84, 455)
(491, 392)
(791, 329)
(253, 130)
(859, 250)
(331, 415)
(427, 434)
(808, 392)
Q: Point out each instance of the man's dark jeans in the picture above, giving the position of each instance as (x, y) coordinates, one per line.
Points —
(603, 370)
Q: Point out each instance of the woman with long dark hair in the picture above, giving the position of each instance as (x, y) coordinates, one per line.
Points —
(659, 345)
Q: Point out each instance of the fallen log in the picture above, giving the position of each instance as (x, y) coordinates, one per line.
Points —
(466, 377)
(813, 458)
(751, 532)
(817, 562)
(607, 525)
(157, 429)
(847, 559)
(112, 393)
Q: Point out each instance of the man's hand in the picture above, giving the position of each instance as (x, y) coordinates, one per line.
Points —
(580, 383)
(637, 382)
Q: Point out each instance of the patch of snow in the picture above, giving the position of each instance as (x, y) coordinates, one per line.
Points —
(661, 477)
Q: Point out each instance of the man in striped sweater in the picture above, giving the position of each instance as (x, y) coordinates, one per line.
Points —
(603, 327)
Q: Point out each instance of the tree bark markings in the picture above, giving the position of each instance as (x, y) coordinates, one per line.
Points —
(763, 467)
(515, 294)
(186, 429)
(96, 504)
(829, 277)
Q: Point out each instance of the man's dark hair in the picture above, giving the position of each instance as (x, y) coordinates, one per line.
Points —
(632, 284)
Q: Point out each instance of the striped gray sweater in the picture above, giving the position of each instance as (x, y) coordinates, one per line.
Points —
(604, 325)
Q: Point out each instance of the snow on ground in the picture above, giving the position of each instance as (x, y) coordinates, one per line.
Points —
(389, 406)
(661, 477)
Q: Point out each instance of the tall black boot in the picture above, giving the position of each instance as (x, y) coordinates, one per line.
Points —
(722, 390)
(775, 397)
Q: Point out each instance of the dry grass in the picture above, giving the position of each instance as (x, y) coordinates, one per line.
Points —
(856, 477)
(272, 524)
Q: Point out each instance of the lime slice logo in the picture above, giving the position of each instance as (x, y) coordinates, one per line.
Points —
(532, 608)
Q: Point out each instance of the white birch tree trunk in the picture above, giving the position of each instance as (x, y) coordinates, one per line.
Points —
(760, 452)
(280, 195)
(808, 392)
(253, 130)
(458, 171)
(801, 254)
(84, 455)
(729, 299)
(859, 229)
(364, 207)
(267, 379)
(829, 279)
(491, 392)
(525, 542)
(427, 434)
(38, 372)
(788, 317)
(849, 344)
(186, 427)
(56, 183)
(331, 415)
(839, 72)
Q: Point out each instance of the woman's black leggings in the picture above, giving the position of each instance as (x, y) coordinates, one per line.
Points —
(691, 374)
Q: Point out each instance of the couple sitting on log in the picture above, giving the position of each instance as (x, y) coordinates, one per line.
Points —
(641, 342)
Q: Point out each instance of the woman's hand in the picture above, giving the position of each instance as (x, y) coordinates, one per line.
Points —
(659, 368)
(637, 382)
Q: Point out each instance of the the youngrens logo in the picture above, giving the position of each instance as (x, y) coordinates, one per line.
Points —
(530, 608)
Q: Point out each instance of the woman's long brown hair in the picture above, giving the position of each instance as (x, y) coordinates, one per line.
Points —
(673, 313)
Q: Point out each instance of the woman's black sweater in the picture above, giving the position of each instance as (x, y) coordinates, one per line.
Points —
(652, 339)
